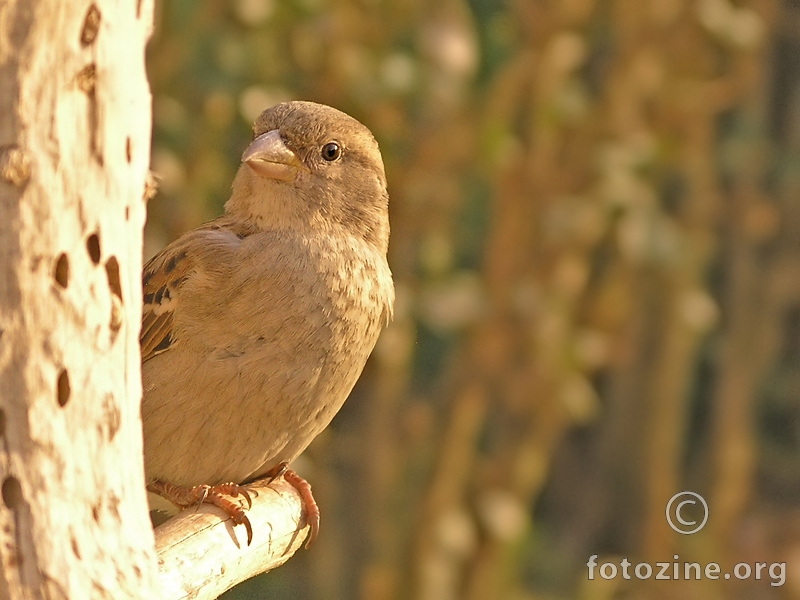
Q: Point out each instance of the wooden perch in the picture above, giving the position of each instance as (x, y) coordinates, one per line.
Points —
(201, 554)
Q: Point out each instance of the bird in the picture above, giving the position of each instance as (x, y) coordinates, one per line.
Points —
(257, 324)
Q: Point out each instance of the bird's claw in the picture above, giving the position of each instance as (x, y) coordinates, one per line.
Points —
(304, 488)
(218, 495)
(243, 520)
(235, 490)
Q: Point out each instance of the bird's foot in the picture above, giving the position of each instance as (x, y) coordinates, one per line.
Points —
(218, 495)
(304, 488)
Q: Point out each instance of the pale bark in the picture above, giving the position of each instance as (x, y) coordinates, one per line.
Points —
(74, 150)
(201, 554)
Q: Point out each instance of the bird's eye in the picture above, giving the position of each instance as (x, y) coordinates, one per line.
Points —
(331, 151)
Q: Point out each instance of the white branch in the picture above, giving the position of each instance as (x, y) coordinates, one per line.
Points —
(201, 554)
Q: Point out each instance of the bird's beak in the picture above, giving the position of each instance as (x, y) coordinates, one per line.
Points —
(269, 157)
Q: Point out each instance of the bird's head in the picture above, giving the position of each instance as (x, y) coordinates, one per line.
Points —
(312, 167)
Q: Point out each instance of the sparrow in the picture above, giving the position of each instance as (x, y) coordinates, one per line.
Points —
(257, 324)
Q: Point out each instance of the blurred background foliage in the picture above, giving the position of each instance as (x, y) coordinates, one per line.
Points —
(595, 226)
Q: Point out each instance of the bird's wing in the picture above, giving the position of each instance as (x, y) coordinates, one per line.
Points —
(164, 274)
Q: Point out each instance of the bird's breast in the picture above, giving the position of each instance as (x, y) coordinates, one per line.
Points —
(315, 306)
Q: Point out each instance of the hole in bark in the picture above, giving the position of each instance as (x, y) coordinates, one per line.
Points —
(112, 271)
(63, 387)
(87, 79)
(93, 247)
(127, 213)
(128, 149)
(12, 492)
(61, 273)
(75, 549)
(91, 25)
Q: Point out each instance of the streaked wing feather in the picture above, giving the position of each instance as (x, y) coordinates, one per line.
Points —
(161, 282)
(156, 335)
(162, 278)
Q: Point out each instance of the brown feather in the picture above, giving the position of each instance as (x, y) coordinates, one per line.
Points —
(162, 277)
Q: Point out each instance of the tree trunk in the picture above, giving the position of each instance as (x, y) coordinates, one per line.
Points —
(74, 150)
